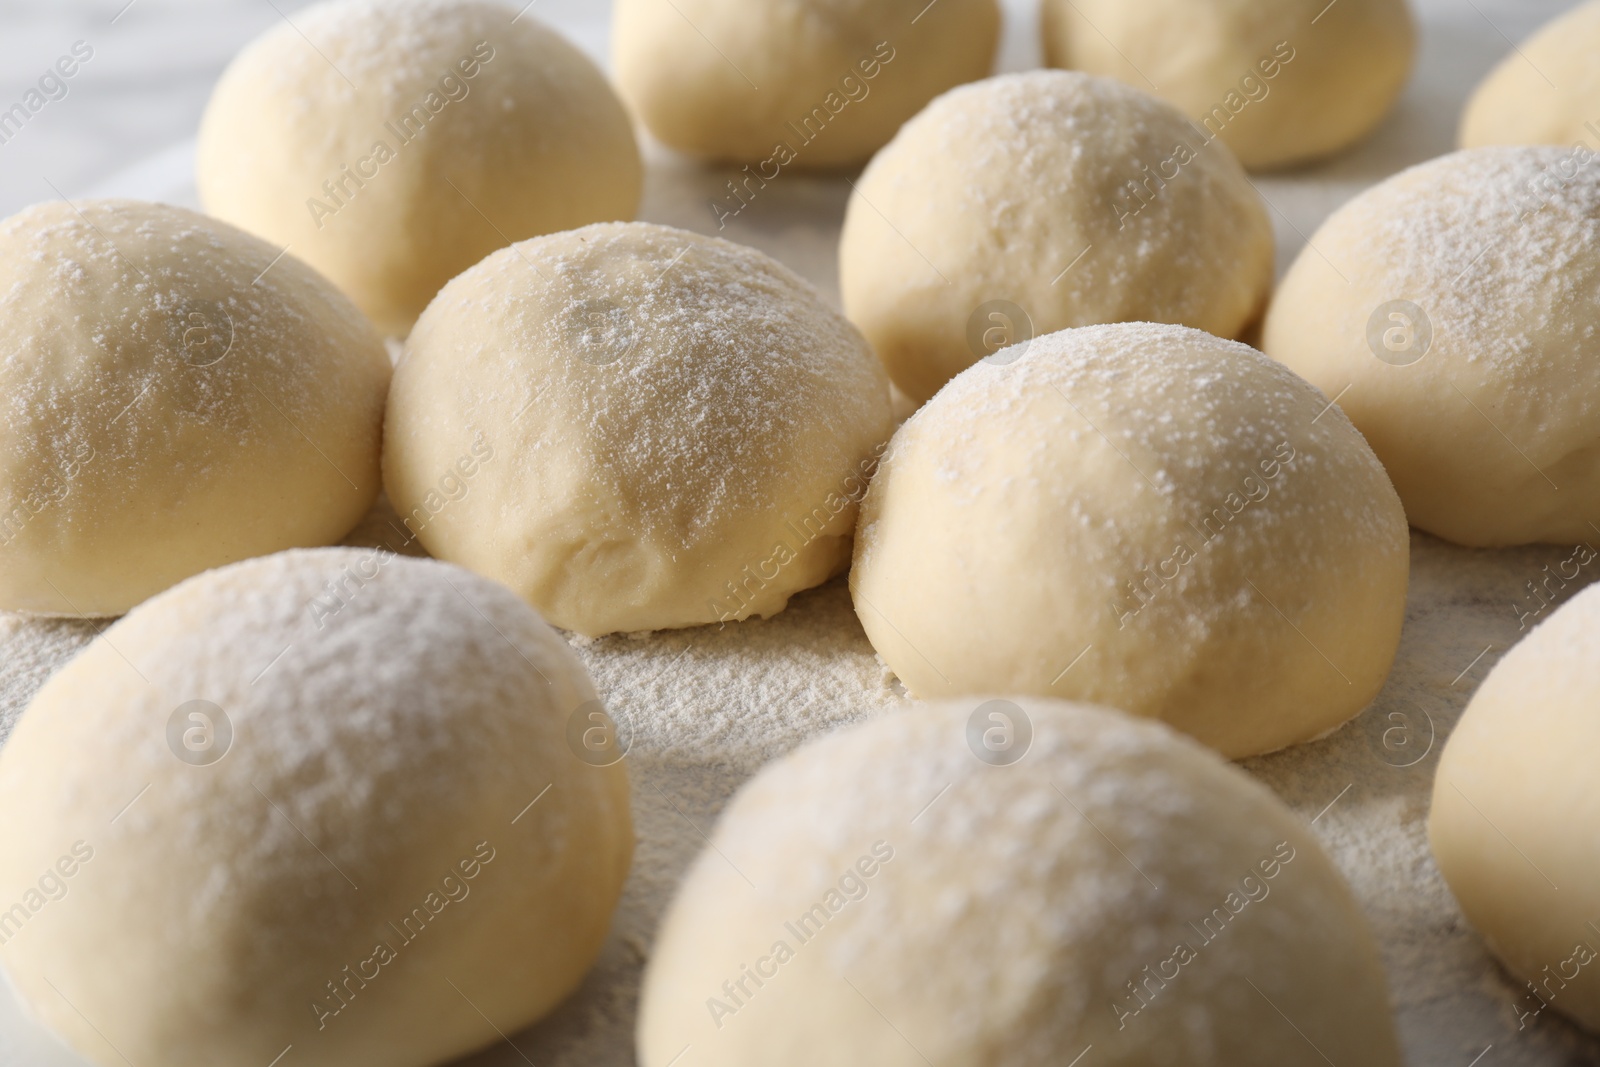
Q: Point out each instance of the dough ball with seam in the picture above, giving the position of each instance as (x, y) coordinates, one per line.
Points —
(636, 427)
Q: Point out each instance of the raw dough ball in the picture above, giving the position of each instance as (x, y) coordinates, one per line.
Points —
(636, 428)
(793, 83)
(1013, 208)
(287, 802)
(175, 397)
(1516, 813)
(1280, 81)
(1145, 517)
(1452, 310)
(1545, 92)
(883, 897)
(392, 144)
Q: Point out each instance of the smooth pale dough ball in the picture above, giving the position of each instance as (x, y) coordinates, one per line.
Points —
(287, 803)
(392, 144)
(1145, 517)
(793, 83)
(175, 397)
(636, 428)
(1453, 311)
(1515, 812)
(1032, 202)
(1546, 92)
(881, 898)
(1281, 82)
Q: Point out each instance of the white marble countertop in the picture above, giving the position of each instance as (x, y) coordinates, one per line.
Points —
(126, 126)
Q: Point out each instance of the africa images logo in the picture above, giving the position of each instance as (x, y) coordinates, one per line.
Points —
(851, 888)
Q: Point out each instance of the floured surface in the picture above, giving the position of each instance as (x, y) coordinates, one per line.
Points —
(709, 706)
(712, 704)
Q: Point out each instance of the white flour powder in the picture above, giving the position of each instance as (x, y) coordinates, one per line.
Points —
(709, 706)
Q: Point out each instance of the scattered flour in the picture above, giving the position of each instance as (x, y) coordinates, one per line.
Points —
(709, 706)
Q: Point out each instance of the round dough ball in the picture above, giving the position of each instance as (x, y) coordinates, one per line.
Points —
(287, 802)
(1032, 202)
(1515, 812)
(793, 83)
(1281, 82)
(175, 397)
(1545, 92)
(636, 428)
(883, 897)
(392, 144)
(1452, 311)
(1145, 517)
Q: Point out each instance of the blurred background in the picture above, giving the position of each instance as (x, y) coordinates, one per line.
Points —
(155, 62)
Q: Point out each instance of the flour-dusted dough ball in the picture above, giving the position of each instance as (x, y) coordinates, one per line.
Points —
(174, 396)
(392, 144)
(884, 898)
(636, 428)
(328, 799)
(1279, 81)
(1516, 813)
(1033, 202)
(793, 83)
(1546, 92)
(1145, 517)
(1453, 311)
